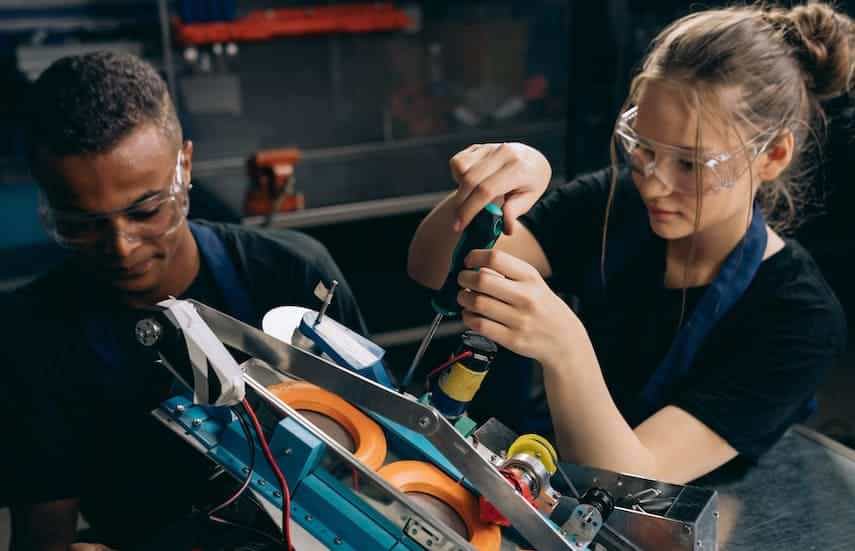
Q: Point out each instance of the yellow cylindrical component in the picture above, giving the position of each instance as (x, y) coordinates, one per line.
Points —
(537, 446)
(461, 383)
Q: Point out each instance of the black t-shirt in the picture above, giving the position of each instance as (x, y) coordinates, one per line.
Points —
(756, 368)
(77, 427)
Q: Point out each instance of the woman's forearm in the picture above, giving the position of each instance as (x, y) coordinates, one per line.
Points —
(589, 428)
(433, 244)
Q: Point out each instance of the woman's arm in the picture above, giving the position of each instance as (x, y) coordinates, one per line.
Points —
(512, 305)
(671, 445)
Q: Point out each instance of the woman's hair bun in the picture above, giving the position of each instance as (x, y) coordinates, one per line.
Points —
(822, 41)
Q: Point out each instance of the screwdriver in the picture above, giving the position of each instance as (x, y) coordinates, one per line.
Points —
(481, 233)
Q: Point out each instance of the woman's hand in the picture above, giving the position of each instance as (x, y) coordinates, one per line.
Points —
(508, 302)
(510, 174)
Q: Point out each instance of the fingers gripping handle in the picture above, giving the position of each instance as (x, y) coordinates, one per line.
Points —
(481, 233)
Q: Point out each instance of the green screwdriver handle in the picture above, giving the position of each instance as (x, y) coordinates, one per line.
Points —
(481, 233)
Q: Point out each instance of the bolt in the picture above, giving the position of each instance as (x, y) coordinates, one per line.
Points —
(197, 422)
(148, 332)
(309, 518)
(619, 483)
(180, 408)
(687, 528)
(338, 540)
(429, 543)
(245, 470)
(716, 515)
(424, 422)
(277, 494)
(288, 451)
(414, 531)
(261, 482)
(699, 545)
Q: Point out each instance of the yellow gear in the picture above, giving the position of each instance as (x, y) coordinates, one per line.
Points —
(537, 446)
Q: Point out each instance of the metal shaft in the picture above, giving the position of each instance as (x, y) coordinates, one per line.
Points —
(421, 351)
(327, 301)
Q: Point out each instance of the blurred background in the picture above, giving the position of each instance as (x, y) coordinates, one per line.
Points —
(339, 118)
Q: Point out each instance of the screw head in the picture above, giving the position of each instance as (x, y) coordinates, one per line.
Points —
(338, 540)
(309, 518)
(197, 422)
(424, 422)
(180, 408)
(277, 494)
(245, 470)
(262, 482)
(716, 515)
(148, 332)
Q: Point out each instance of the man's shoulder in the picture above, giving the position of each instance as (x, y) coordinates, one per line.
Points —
(268, 247)
(50, 293)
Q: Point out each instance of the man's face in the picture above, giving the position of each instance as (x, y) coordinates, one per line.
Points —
(141, 166)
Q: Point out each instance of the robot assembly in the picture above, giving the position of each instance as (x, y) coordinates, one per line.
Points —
(351, 461)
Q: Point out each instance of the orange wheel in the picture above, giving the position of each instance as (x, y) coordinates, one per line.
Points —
(417, 477)
(369, 442)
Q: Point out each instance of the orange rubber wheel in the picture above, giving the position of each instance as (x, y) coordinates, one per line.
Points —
(417, 477)
(369, 442)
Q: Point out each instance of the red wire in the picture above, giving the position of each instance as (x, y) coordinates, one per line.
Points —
(464, 354)
(283, 486)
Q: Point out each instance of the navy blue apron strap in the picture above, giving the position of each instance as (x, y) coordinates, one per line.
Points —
(102, 339)
(730, 284)
(225, 273)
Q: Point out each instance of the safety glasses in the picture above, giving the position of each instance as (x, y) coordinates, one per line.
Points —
(154, 217)
(680, 167)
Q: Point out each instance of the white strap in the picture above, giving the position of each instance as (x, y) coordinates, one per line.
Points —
(205, 349)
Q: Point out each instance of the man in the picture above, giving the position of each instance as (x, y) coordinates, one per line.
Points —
(114, 171)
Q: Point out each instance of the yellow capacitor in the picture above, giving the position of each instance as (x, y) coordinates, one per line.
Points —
(461, 383)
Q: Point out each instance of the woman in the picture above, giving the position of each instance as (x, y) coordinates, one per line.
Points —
(701, 334)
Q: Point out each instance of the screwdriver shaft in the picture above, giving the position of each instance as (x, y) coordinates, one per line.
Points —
(421, 351)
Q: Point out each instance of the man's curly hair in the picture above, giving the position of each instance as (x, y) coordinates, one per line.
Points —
(87, 104)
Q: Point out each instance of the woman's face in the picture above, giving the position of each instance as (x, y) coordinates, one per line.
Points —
(664, 117)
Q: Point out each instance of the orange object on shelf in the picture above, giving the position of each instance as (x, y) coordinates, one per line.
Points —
(267, 24)
(273, 185)
(367, 436)
(418, 477)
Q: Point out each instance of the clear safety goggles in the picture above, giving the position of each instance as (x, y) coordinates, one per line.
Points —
(151, 218)
(678, 167)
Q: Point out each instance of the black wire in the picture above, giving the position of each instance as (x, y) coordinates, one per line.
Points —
(568, 482)
(269, 537)
(251, 442)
